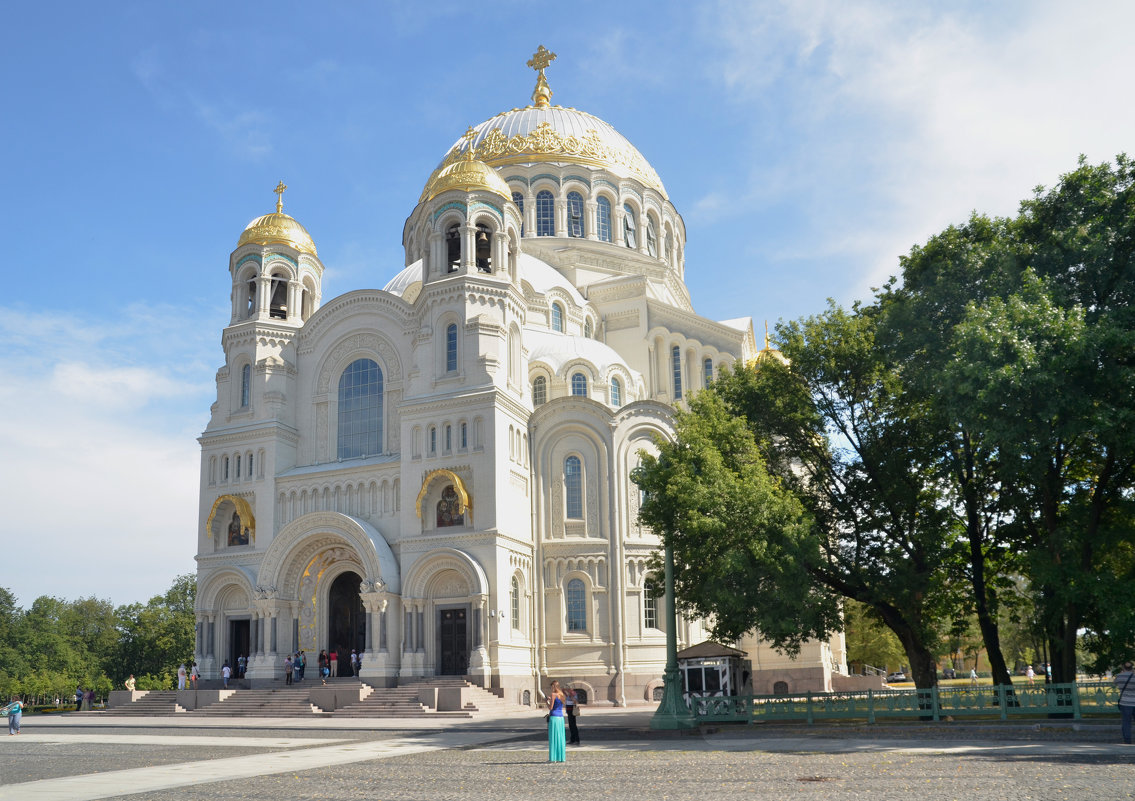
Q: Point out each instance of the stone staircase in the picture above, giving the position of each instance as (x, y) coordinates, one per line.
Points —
(392, 702)
(283, 702)
(155, 703)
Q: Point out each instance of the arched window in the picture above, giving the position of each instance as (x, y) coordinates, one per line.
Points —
(447, 514)
(573, 488)
(651, 238)
(433, 440)
(545, 213)
(279, 297)
(451, 348)
(670, 246)
(236, 466)
(649, 606)
(588, 328)
(250, 465)
(452, 248)
(224, 468)
(539, 391)
(448, 437)
(579, 385)
(464, 435)
(245, 386)
(514, 601)
(676, 367)
(616, 393)
(518, 199)
(630, 228)
(576, 605)
(557, 317)
(603, 219)
(360, 410)
(575, 214)
(707, 371)
(483, 249)
(251, 292)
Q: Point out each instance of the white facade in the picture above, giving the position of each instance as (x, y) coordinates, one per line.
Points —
(437, 472)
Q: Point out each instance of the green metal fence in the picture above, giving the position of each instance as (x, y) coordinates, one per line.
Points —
(1039, 700)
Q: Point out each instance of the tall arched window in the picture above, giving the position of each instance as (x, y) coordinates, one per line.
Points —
(236, 466)
(707, 371)
(576, 597)
(452, 248)
(649, 606)
(514, 603)
(573, 488)
(545, 213)
(588, 328)
(518, 199)
(575, 214)
(451, 348)
(557, 317)
(616, 393)
(433, 440)
(676, 368)
(360, 410)
(630, 227)
(670, 246)
(278, 308)
(245, 386)
(539, 391)
(603, 219)
(651, 238)
(579, 385)
(224, 468)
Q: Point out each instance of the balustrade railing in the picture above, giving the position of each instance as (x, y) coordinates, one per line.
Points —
(1036, 700)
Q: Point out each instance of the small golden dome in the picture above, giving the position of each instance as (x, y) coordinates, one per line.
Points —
(467, 174)
(278, 229)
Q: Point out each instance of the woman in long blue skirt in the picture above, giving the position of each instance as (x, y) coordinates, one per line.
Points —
(557, 747)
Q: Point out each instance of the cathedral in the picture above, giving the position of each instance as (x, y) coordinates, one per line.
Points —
(436, 474)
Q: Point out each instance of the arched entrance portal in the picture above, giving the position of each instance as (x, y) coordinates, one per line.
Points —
(346, 621)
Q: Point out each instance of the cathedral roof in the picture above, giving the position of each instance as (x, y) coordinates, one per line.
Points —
(554, 134)
(278, 229)
(467, 174)
(556, 350)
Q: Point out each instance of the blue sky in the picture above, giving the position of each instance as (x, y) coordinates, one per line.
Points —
(807, 144)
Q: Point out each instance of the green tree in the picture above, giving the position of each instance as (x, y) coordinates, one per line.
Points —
(157, 637)
(742, 545)
(869, 642)
(1024, 330)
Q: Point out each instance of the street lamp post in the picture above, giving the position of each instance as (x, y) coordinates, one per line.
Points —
(672, 712)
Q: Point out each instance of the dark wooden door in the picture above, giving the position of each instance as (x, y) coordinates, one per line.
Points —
(453, 643)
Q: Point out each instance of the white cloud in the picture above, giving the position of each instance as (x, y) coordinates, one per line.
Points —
(899, 120)
(101, 469)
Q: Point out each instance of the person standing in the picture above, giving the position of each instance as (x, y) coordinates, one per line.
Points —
(130, 683)
(194, 674)
(241, 663)
(354, 663)
(1125, 681)
(557, 749)
(288, 669)
(571, 712)
(226, 673)
(301, 661)
(973, 677)
(79, 698)
(1030, 674)
(181, 676)
(15, 711)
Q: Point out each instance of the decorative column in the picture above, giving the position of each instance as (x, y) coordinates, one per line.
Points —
(590, 220)
(500, 252)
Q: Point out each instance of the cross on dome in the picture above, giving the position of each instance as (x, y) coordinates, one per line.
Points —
(279, 190)
(542, 95)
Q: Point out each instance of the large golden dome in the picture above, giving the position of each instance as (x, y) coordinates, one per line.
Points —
(465, 173)
(278, 229)
(555, 134)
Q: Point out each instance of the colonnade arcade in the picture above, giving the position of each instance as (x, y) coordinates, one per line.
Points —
(329, 581)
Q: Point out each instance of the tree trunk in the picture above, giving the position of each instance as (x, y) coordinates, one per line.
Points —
(923, 667)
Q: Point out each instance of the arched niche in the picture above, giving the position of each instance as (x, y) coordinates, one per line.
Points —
(231, 522)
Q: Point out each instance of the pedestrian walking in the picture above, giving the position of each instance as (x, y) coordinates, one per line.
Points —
(557, 749)
(181, 674)
(15, 712)
(287, 669)
(1124, 681)
(973, 677)
(226, 673)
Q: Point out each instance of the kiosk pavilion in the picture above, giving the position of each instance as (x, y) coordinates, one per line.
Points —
(437, 473)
